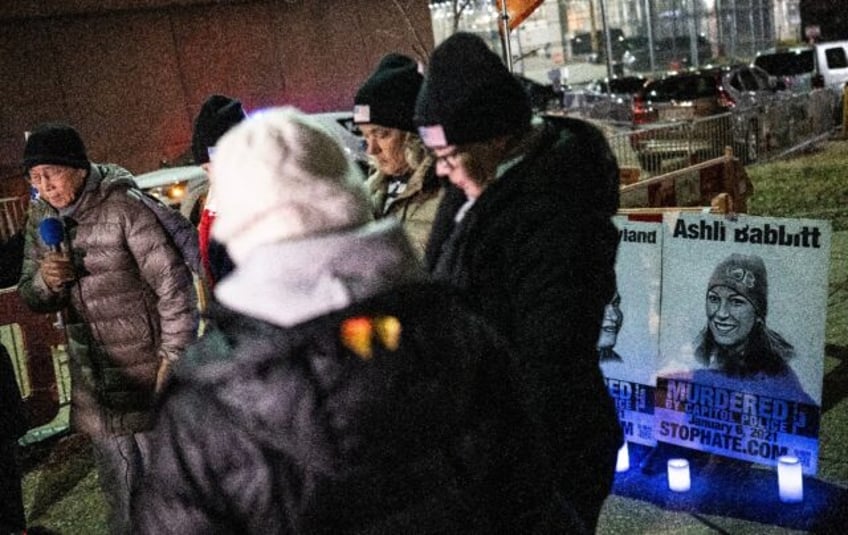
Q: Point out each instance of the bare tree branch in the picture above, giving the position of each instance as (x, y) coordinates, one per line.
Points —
(458, 7)
(418, 45)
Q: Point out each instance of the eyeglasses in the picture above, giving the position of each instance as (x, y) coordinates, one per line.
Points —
(48, 174)
(449, 160)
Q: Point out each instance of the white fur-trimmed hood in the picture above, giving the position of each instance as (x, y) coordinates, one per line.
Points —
(289, 282)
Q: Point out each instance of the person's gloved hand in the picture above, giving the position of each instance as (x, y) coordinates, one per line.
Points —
(56, 270)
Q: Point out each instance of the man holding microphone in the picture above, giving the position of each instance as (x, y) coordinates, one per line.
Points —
(96, 251)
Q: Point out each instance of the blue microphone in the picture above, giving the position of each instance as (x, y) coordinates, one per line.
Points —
(52, 233)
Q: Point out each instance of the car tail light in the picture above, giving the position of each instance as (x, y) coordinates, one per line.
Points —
(817, 81)
(642, 113)
(724, 98)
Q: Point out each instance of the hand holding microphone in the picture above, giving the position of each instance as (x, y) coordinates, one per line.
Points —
(56, 268)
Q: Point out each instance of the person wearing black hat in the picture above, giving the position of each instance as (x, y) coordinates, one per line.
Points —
(532, 244)
(404, 183)
(95, 251)
(217, 115)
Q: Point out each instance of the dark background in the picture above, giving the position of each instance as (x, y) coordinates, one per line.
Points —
(131, 75)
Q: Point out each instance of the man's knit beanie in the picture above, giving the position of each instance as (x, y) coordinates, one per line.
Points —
(55, 143)
(217, 115)
(387, 97)
(469, 95)
(280, 176)
(746, 275)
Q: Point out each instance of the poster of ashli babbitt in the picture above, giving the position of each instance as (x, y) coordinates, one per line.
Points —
(742, 339)
(629, 341)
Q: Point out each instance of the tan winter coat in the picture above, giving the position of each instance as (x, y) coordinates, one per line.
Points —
(132, 305)
(415, 207)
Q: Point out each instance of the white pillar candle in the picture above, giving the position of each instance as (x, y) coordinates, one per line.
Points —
(678, 475)
(790, 479)
(623, 462)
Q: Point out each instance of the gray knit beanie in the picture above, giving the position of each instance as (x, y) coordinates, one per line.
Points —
(746, 275)
(278, 176)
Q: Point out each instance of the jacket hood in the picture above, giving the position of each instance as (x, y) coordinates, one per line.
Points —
(290, 282)
(114, 176)
(576, 147)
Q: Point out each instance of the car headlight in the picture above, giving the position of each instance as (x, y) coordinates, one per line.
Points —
(170, 193)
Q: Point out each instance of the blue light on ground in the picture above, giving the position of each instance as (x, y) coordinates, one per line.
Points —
(731, 488)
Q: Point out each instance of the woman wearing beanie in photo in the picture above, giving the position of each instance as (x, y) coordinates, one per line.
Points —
(218, 114)
(339, 391)
(736, 344)
(95, 252)
(533, 247)
(404, 183)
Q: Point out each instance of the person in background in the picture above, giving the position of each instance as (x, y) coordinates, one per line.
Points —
(128, 297)
(218, 114)
(532, 246)
(13, 425)
(339, 390)
(404, 183)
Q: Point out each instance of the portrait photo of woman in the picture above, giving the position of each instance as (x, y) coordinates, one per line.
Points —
(610, 326)
(736, 340)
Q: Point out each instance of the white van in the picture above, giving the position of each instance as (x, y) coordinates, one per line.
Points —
(804, 67)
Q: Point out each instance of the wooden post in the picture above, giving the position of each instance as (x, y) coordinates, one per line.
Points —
(845, 111)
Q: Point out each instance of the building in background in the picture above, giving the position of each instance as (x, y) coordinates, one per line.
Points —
(561, 32)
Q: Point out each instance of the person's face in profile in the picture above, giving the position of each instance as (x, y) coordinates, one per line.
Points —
(58, 185)
(610, 325)
(386, 148)
(470, 167)
(730, 316)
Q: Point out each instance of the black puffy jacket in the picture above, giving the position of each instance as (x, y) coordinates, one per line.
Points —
(535, 256)
(267, 429)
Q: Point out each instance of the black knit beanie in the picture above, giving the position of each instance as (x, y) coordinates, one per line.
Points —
(55, 143)
(469, 95)
(387, 97)
(217, 115)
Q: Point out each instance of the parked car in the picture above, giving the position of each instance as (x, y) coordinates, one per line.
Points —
(802, 68)
(185, 187)
(543, 97)
(180, 187)
(618, 85)
(742, 92)
(795, 67)
(670, 53)
(581, 45)
(612, 98)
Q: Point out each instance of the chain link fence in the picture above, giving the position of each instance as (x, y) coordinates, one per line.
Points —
(754, 135)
